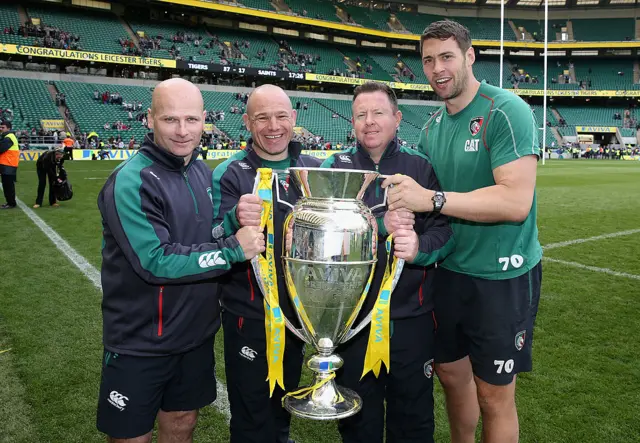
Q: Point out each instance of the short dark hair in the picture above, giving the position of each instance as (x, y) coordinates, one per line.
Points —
(445, 29)
(6, 123)
(369, 87)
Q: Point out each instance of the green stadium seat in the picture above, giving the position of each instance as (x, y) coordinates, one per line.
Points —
(29, 100)
(604, 29)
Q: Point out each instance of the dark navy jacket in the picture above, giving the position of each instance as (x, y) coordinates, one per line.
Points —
(159, 258)
(240, 293)
(413, 295)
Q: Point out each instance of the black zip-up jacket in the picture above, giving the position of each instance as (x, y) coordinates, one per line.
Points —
(159, 258)
(240, 293)
(413, 295)
(49, 164)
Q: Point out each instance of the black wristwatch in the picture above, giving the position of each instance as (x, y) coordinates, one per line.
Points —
(438, 200)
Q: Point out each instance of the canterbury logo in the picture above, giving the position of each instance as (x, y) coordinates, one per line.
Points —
(211, 259)
(248, 353)
(118, 400)
(345, 159)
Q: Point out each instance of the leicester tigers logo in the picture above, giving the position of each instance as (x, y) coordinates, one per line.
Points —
(475, 125)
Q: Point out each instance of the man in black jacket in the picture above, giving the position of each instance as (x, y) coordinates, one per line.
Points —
(48, 167)
(160, 306)
(407, 385)
(257, 416)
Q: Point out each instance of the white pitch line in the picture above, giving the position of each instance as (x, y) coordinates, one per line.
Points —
(585, 240)
(89, 271)
(592, 268)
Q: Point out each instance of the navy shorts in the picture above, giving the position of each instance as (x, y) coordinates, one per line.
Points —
(134, 389)
(491, 321)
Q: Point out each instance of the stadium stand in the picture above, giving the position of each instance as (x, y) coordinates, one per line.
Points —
(258, 4)
(255, 52)
(98, 31)
(10, 18)
(536, 27)
(604, 29)
(592, 115)
(319, 119)
(92, 115)
(609, 74)
(330, 57)
(314, 9)
(232, 124)
(29, 100)
(359, 16)
(416, 23)
(377, 72)
(188, 49)
(628, 132)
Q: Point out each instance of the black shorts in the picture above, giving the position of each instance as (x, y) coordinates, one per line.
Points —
(491, 321)
(134, 389)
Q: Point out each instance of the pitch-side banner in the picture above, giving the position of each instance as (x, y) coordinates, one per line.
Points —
(53, 124)
(124, 154)
(596, 129)
(86, 56)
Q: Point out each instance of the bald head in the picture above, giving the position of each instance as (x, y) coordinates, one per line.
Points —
(175, 89)
(271, 119)
(177, 117)
(267, 94)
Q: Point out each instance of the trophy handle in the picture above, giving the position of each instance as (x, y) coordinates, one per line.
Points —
(352, 332)
(297, 332)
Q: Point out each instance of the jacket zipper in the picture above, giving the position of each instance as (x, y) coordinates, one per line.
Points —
(186, 180)
(420, 294)
(160, 311)
(377, 182)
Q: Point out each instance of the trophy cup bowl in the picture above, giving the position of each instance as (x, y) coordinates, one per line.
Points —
(330, 254)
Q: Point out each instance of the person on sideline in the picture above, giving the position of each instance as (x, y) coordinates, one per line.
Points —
(160, 304)
(48, 166)
(484, 148)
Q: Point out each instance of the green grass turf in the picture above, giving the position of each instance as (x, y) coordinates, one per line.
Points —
(586, 381)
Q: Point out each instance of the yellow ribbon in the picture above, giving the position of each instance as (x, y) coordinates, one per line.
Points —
(6, 350)
(273, 318)
(378, 347)
(302, 393)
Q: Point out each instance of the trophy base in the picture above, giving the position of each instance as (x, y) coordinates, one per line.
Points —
(329, 402)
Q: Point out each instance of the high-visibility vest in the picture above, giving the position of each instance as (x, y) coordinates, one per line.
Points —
(12, 156)
(67, 142)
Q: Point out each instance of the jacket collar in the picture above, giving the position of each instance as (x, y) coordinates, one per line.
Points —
(295, 149)
(392, 149)
(162, 156)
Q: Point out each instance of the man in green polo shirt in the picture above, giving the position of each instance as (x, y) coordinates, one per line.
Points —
(483, 146)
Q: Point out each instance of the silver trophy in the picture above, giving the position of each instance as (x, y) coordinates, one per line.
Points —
(329, 259)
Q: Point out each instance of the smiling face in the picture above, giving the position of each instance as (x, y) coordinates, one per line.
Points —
(375, 121)
(176, 117)
(447, 68)
(270, 119)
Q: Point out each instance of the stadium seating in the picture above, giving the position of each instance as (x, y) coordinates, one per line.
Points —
(485, 28)
(359, 15)
(489, 71)
(232, 124)
(536, 27)
(187, 49)
(29, 100)
(592, 115)
(9, 17)
(98, 31)
(628, 132)
(377, 73)
(91, 115)
(604, 73)
(318, 119)
(330, 57)
(416, 23)
(314, 9)
(604, 29)
(257, 42)
(258, 4)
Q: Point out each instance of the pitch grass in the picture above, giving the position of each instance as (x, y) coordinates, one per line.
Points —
(586, 381)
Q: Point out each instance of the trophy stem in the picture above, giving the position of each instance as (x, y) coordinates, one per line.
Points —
(323, 399)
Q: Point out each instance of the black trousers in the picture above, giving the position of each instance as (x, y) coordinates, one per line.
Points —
(407, 388)
(45, 175)
(9, 188)
(256, 417)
